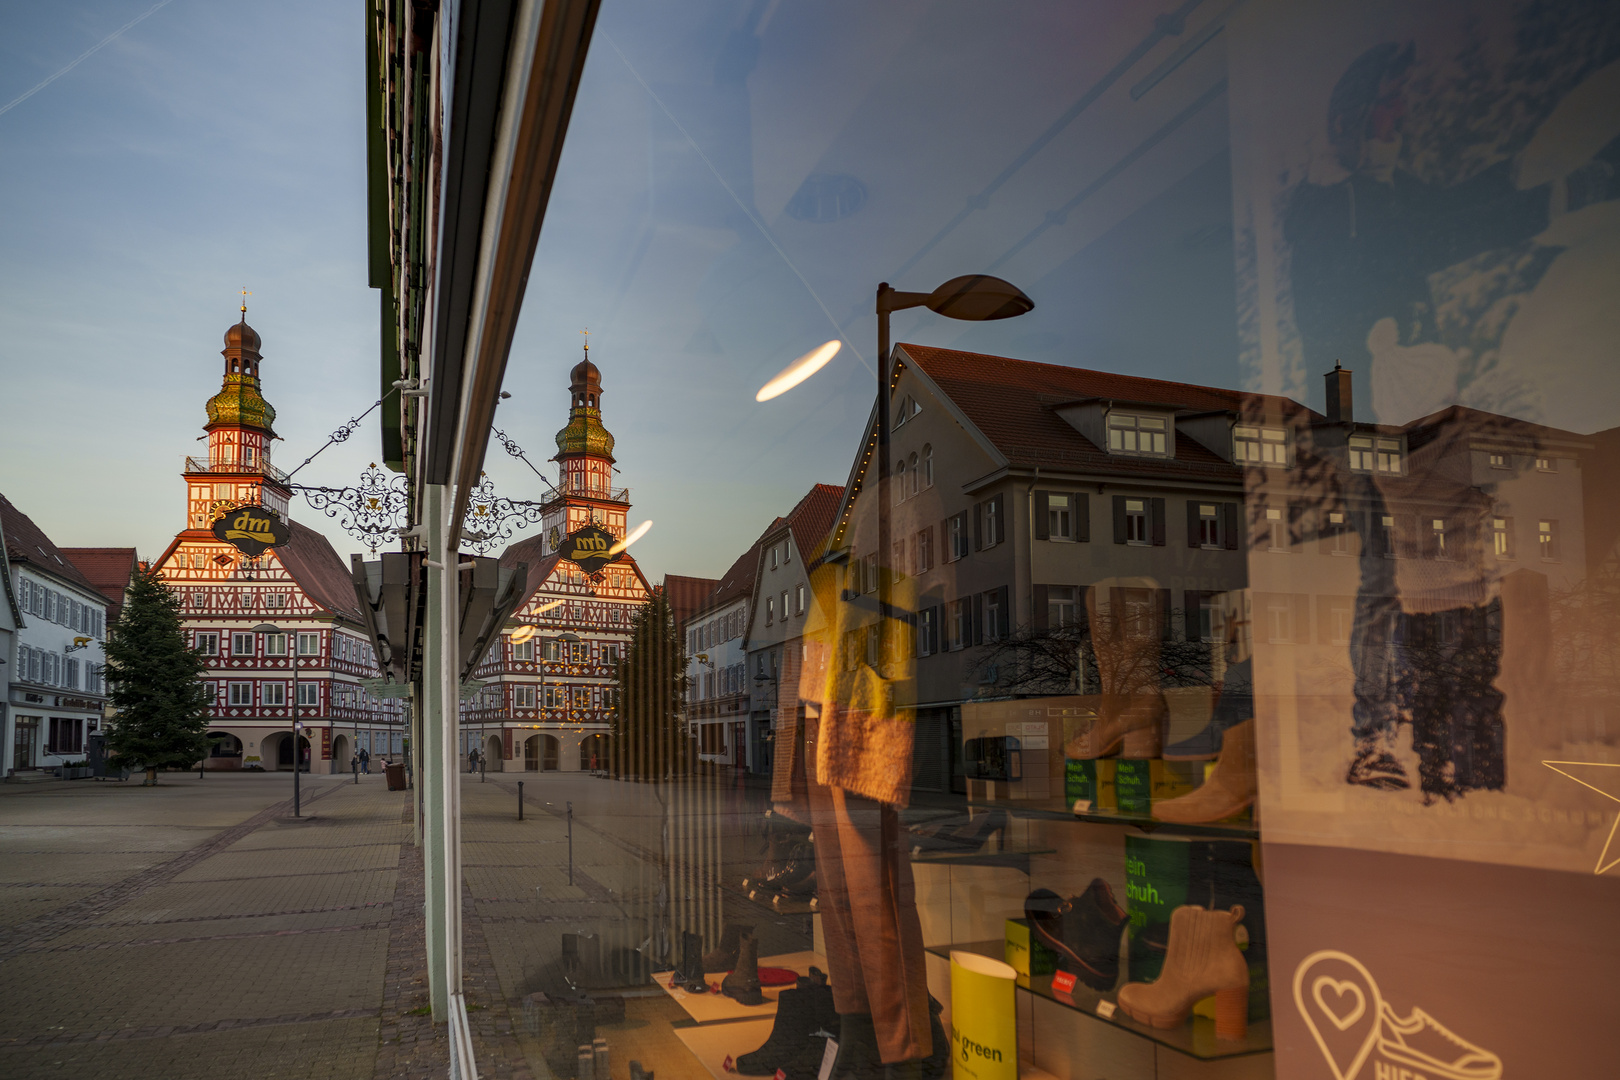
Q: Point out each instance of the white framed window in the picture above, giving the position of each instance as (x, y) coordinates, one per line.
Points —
(1136, 522)
(1260, 445)
(1387, 535)
(1500, 461)
(928, 466)
(1547, 540)
(208, 644)
(523, 697)
(523, 650)
(274, 693)
(1209, 525)
(241, 693)
(770, 610)
(915, 486)
(900, 480)
(1129, 433)
(1339, 533)
(275, 644)
(871, 573)
(959, 629)
(925, 550)
(1060, 516)
(241, 644)
(1502, 537)
(1276, 529)
(798, 599)
(309, 693)
(784, 604)
(776, 556)
(958, 537)
(1062, 606)
(309, 644)
(1438, 545)
(1279, 619)
(1211, 618)
(610, 653)
(1376, 453)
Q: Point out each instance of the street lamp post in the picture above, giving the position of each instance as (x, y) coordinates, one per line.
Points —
(972, 298)
(292, 706)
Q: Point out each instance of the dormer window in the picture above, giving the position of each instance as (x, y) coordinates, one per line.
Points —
(1260, 445)
(1129, 433)
(1376, 453)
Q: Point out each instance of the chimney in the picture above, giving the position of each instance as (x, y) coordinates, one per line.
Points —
(1340, 401)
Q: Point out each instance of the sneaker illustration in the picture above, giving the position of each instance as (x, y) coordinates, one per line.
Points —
(1376, 767)
(1422, 1041)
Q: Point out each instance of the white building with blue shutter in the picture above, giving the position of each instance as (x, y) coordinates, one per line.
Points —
(54, 659)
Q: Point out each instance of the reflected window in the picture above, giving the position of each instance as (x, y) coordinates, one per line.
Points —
(1546, 464)
(309, 693)
(925, 550)
(207, 644)
(1059, 517)
(770, 610)
(241, 644)
(1502, 537)
(1437, 539)
(1499, 461)
(872, 572)
(1137, 613)
(1547, 539)
(1211, 618)
(1062, 606)
(798, 599)
(523, 650)
(900, 480)
(1209, 525)
(928, 466)
(1132, 434)
(1337, 535)
(1375, 453)
(928, 631)
(1136, 521)
(275, 693)
(523, 697)
(1260, 445)
(897, 559)
(1276, 529)
(1386, 535)
(914, 483)
(275, 644)
(1279, 619)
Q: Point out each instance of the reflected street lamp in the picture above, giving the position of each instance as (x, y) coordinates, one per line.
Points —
(292, 706)
(971, 298)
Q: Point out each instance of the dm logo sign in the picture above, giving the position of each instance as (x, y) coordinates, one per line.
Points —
(589, 548)
(251, 529)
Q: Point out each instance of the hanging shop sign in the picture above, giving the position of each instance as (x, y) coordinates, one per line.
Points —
(251, 529)
(589, 548)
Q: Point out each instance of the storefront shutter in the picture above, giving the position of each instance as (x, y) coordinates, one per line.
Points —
(929, 763)
(1157, 510)
(1119, 519)
(1042, 514)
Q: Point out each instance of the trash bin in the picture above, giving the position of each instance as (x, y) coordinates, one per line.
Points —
(395, 770)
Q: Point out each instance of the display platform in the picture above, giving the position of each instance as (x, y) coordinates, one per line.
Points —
(711, 1044)
(718, 1008)
(1196, 1038)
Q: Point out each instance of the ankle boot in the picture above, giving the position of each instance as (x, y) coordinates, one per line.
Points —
(724, 955)
(858, 1056)
(1084, 931)
(1202, 959)
(1130, 725)
(689, 976)
(1230, 789)
(800, 1013)
(742, 985)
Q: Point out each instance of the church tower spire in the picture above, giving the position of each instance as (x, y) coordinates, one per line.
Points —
(237, 470)
(586, 495)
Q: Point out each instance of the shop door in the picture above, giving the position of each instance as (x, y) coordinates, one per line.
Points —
(531, 753)
(548, 753)
(284, 753)
(24, 741)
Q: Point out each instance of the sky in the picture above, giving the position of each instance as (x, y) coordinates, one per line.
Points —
(738, 177)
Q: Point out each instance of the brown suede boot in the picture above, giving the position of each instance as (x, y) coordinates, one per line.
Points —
(1230, 789)
(1129, 725)
(1202, 959)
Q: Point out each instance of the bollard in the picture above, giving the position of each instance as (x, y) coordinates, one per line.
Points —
(520, 800)
(570, 843)
(355, 765)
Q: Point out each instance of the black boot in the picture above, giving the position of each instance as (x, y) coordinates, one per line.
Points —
(800, 1013)
(858, 1057)
(689, 976)
(1084, 931)
(724, 956)
(742, 985)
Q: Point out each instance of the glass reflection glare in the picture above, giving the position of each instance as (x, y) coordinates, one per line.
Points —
(635, 534)
(798, 371)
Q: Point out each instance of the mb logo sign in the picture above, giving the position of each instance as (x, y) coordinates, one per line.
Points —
(590, 548)
(251, 529)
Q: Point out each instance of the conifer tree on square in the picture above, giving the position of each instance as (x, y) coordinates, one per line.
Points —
(648, 736)
(155, 682)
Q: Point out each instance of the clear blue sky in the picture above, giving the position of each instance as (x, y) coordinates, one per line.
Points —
(213, 146)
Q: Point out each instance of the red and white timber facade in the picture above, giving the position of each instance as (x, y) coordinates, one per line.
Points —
(549, 703)
(301, 587)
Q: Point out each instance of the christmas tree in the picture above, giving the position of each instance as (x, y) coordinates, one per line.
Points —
(648, 739)
(155, 682)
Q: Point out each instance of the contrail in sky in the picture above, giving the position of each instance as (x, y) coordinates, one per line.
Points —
(81, 58)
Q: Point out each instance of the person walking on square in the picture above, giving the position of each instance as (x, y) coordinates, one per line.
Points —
(365, 761)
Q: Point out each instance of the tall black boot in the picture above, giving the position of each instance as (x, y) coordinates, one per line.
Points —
(742, 985)
(689, 976)
(801, 1013)
(724, 956)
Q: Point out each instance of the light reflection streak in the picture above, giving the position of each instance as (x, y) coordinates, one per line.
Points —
(798, 371)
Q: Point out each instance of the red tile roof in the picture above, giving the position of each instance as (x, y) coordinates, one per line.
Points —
(27, 543)
(109, 569)
(812, 519)
(1014, 404)
(318, 569)
(686, 594)
(528, 551)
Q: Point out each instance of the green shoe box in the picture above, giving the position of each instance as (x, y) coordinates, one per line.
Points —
(1141, 783)
(1091, 780)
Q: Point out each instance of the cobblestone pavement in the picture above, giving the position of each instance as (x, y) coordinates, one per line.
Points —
(196, 930)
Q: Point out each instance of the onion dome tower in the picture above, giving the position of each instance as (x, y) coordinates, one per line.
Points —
(586, 495)
(237, 470)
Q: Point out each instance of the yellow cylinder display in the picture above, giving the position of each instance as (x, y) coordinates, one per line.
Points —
(984, 1017)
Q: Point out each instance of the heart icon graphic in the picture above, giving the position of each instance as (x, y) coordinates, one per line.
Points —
(1341, 1010)
(1340, 990)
